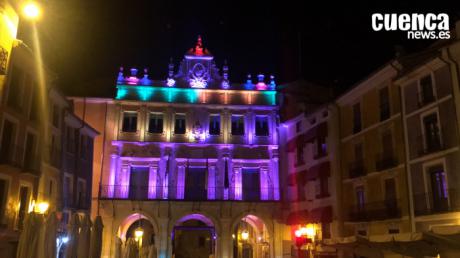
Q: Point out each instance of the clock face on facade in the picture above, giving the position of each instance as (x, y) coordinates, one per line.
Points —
(198, 71)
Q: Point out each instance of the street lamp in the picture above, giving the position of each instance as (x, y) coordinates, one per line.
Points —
(305, 235)
(42, 207)
(31, 10)
(245, 235)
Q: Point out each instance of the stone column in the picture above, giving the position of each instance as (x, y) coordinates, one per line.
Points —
(264, 186)
(123, 181)
(180, 182)
(224, 240)
(153, 174)
(237, 183)
(274, 175)
(163, 238)
(211, 182)
(110, 189)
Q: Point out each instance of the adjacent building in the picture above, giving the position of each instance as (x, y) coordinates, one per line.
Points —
(310, 165)
(192, 160)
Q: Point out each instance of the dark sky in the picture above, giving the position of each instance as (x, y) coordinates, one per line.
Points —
(85, 42)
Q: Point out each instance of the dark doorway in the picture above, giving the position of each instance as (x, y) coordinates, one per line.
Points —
(138, 183)
(195, 184)
(193, 239)
(251, 184)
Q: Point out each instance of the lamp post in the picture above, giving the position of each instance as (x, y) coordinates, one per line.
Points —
(138, 234)
(31, 11)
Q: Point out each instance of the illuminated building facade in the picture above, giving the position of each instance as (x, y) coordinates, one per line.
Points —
(192, 159)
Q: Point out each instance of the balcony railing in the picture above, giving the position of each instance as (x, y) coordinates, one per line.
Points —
(128, 192)
(357, 169)
(429, 145)
(16, 156)
(382, 210)
(385, 161)
(430, 203)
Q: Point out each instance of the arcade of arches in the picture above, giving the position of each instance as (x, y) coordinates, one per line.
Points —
(195, 236)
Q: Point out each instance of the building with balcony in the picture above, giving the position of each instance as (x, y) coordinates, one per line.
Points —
(309, 144)
(374, 185)
(192, 159)
(430, 111)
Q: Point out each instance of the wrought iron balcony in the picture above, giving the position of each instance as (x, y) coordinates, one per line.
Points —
(385, 161)
(431, 203)
(357, 169)
(382, 210)
(145, 193)
(429, 145)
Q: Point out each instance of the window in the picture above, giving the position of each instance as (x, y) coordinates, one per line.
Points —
(50, 188)
(15, 87)
(439, 189)
(323, 187)
(237, 125)
(23, 205)
(7, 143)
(214, 124)
(359, 191)
(70, 146)
(356, 118)
(390, 196)
(384, 97)
(55, 116)
(326, 230)
(81, 193)
(300, 192)
(83, 146)
(156, 123)
(359, 155)
(321, 147)
(29, 152)
(129, 122)
(34, 107)
(299, 154)
(179, 124)
(261, 125)
(3, 198)
(67, 190)
(251, 184)
(426, 90)
(298, 126)
(432, 133)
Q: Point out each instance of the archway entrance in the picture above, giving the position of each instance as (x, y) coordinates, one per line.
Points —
(141, 245)
(193, 236)
(250, 238)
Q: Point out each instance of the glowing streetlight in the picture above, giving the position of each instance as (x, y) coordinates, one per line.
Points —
(138, 233)
(31, 10)
(42, 207)
(245, 235)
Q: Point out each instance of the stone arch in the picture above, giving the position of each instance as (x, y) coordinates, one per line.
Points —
(262, 238)
(132, 218)
(201, 216)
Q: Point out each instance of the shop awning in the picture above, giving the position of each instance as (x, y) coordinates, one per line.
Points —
(297, 217)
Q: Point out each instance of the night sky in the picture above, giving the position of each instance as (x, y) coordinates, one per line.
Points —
(85, 42)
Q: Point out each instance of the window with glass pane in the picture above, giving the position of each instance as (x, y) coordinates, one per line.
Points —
(426, 88)
(214, 125)
(156, 123)
(261, 125)
(360, 197)
(237, 125)
(384, 97)
(356, 118)
(439, 188)
(179, 124)
(432, 134)
(129, 122)
(15, 87)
